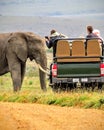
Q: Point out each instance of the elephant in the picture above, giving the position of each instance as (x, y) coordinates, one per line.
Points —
(15, 49)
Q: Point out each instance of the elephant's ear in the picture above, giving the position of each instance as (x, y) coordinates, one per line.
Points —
(18, 45)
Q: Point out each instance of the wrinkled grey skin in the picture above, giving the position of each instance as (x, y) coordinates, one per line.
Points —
(15, 48)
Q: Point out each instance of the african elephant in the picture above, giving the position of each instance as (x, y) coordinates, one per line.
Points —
(15, 48)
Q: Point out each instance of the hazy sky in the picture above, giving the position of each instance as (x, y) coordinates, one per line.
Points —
(50, 7)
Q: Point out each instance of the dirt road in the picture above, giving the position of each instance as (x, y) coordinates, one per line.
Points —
(15, 116)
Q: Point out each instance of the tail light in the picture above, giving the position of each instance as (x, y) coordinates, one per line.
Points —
(102, 69)
(54, 70)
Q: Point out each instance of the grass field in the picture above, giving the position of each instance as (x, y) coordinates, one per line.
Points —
(31, 93)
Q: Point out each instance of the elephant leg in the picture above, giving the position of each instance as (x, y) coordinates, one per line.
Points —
(15, 70)
(16, 77)
(23, 67)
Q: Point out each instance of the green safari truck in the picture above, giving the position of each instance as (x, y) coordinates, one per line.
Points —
(78, 62)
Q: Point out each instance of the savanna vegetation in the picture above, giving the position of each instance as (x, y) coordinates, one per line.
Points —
(31, 93)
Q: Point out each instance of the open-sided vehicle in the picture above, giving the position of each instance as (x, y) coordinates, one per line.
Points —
(77, 62)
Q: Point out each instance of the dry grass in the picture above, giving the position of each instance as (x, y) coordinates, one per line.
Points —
(32, 93)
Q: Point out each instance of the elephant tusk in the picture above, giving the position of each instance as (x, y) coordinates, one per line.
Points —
(43, 70)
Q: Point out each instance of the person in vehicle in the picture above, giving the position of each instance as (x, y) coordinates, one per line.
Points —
(90, 35)
(52, 39)
(97, 33)
(90, 32)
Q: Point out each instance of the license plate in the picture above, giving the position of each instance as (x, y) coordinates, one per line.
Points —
(75, 80)
(84, 80)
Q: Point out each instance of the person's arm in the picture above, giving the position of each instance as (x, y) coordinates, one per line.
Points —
(48, 43)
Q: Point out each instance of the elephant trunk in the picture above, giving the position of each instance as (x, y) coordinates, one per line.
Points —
(42, 62)
(42, 74)
(42, 80)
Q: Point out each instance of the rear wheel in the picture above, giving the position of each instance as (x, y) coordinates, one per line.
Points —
(100, 86)
(62, 87)
(55, 88)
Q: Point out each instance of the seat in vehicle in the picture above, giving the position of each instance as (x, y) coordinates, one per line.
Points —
(63, 50)
(78, 51)
(93, 49)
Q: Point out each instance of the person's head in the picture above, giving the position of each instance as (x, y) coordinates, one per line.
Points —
(89, 29)
(52, 31)
(96, 32)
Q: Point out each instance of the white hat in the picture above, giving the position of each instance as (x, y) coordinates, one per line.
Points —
(97, 32)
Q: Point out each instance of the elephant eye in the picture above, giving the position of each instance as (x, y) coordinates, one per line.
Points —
(12, 39)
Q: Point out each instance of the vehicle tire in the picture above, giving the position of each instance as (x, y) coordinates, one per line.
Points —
(100, 86)
(55, 88)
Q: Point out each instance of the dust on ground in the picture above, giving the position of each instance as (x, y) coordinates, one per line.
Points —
(19, 116)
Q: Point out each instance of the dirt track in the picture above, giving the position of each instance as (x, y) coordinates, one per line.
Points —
(15, 116)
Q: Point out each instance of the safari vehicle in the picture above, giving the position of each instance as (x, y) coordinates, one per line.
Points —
(78, 62)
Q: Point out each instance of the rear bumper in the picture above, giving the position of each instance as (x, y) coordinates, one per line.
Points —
(76, 80)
